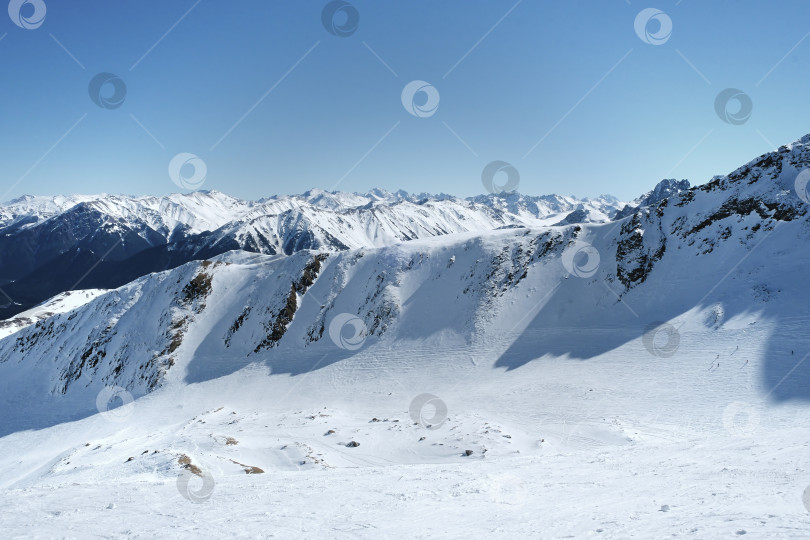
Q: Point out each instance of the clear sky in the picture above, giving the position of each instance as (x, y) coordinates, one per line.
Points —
(575, 95)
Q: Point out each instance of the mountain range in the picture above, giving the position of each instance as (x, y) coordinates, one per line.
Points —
(49, 245)
(458, 358)
(243, 270)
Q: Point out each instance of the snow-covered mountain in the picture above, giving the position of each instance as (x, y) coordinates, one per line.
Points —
(52, 244)
(204, 211)
(248, 310)
(469, 354)
(196, 212)
(664, 189)
(319, 220)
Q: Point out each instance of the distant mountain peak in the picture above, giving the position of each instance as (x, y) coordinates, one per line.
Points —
(664, 189)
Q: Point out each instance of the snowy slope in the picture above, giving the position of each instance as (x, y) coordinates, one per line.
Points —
(638, 378)
(60, 303)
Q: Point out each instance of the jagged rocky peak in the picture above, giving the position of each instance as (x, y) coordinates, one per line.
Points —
(739, 207)
(777, 169)
(665, 189)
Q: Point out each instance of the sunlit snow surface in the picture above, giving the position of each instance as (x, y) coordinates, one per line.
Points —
(593, 448)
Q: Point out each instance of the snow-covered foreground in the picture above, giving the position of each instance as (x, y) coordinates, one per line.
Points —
(708, 491)
(625, 444)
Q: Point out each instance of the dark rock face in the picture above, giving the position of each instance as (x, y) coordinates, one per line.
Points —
(641, 244)
(736, 207)
(276, 329)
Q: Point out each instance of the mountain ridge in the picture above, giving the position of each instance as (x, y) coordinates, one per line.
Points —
(108, 240)
(261, 303)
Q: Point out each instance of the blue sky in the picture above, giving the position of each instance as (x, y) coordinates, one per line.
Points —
(566, 92)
